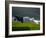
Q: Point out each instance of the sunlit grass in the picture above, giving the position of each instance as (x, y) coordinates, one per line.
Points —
(18, 26)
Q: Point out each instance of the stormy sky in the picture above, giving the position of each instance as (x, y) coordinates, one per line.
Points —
(26, 11)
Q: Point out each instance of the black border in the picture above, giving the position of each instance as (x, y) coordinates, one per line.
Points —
(7, 18)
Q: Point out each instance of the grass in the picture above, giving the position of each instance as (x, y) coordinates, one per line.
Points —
(18, 26)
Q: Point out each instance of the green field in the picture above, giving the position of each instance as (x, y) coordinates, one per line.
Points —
(18, 26)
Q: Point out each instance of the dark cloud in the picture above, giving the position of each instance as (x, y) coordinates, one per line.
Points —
(24, 11)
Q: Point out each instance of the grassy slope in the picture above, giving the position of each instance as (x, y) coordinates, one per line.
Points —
(25, 26)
